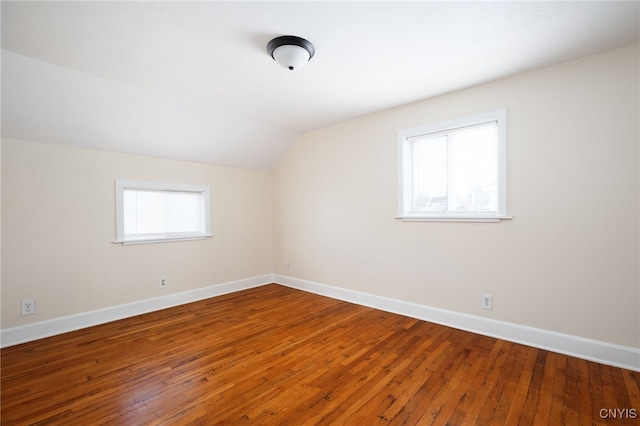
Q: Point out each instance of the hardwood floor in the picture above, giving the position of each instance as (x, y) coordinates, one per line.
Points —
(274, 355)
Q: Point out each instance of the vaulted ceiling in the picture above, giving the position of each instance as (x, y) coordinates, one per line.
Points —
(192, 80)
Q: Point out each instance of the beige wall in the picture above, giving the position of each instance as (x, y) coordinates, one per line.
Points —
(567, 262)
(58, 224)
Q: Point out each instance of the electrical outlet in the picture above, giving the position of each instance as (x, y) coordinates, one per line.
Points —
(163, 282)
(28, 307)
(286, 265)
(487, 301)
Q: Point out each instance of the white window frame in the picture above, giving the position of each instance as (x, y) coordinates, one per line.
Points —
(122, 185)
(404, 168)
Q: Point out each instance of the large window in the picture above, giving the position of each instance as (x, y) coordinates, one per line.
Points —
(454, 170)
(148, 212)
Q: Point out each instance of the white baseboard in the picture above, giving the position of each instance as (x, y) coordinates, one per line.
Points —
(592, 350)
(39, 330)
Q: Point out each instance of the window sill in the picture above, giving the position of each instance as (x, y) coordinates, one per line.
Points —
(160, 240)
(452, 219)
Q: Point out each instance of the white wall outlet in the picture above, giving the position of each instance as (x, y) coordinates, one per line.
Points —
(286, 265)
(487, 301)
(163, 282)
(28, 307)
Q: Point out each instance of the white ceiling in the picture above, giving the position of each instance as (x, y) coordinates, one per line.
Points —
(193, 81)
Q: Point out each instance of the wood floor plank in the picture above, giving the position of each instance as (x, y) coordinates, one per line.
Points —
(583, 398)
(521, 390)
(275, 355)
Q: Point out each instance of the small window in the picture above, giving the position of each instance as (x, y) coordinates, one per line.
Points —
(150, 212)
(455, 170)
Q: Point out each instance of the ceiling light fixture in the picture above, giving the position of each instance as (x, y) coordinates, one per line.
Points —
(290, 51)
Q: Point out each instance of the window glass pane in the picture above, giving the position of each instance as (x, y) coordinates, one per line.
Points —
(184, 212)
(473, 169)
(149, 212)
(158, 212)
(130, 212)
(430, 175)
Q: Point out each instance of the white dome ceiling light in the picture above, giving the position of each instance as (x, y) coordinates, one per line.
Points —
(291, 52)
